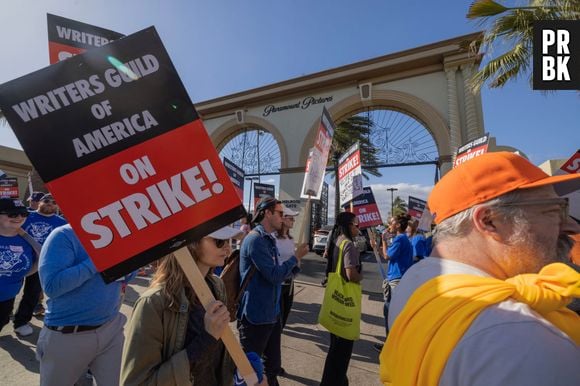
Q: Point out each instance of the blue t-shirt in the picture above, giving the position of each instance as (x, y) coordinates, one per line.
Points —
(400, 257)
(39, 226)
(16, 259)
(419, 246)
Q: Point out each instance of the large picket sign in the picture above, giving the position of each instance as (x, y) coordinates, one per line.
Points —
(318, 158)
(237, 176)
(471, 149)
(366, 209)
(350, 174)
(116, 139)
(68, 37)
(263, 190)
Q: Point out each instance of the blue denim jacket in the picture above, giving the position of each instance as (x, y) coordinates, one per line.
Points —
(260, 303)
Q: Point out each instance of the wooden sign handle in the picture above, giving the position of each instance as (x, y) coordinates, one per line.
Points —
(206, 297)
(305, 218)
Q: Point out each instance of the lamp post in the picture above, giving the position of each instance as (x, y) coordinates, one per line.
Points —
(392, 190)
(251, 193)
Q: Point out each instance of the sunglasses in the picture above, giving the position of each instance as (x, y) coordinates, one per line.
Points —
(219, 243)
(49, 201)
(14, 215)
(561, 202)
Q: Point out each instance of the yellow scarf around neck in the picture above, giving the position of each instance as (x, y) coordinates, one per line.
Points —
(442, 309)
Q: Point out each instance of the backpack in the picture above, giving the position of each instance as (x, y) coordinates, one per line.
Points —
(232, 281)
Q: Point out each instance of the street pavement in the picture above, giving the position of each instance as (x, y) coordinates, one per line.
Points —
(304, 341)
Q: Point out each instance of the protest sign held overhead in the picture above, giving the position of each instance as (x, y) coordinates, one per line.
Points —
(471, 150)
(236, 176)
(366, 209)
(415, 207)
(124, 128)
(318, 158)
(263, 190)
(8, 187)
(350, 174)
(67, 37)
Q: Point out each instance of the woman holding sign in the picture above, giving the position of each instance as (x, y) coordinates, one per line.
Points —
(171, 339)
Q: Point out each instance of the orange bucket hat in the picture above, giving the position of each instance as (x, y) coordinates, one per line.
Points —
(489, 176)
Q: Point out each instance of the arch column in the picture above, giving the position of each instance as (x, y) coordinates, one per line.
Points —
(470, 112)
(453, 109)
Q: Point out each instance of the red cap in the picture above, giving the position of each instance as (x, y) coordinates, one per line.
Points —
(489, 176)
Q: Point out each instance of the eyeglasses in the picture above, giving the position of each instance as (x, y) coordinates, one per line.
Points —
(219, 243)
(49, 201)
(356, 225)
(561, 202)
(14, 215)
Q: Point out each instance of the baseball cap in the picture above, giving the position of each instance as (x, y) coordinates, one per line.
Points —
(225, 233)
(9, 205)
(288, 211)
(36, 196)
(489, 176)
(264, 203)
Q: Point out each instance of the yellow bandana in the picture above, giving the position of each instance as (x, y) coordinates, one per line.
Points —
(441, 310)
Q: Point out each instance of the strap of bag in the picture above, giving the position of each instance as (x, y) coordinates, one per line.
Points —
(247, 278)
(340, 251)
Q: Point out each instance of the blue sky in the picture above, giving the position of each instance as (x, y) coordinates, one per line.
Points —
(224, 46)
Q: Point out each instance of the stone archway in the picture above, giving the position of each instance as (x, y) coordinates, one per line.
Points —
(231, 127)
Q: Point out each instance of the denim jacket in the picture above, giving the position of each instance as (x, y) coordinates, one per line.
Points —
(260, 303)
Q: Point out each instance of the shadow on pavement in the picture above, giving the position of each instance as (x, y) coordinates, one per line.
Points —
(22, 353)
(301, 380)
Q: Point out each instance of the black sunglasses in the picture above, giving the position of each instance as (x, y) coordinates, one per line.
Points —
(49, 201)
(14, 215)
(219, 243)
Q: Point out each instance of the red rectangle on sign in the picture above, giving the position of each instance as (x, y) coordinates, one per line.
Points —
(154, 191)
(368, 215)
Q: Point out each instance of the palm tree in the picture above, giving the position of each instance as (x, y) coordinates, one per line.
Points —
(347, 133)
(514, 26)
(399, 206)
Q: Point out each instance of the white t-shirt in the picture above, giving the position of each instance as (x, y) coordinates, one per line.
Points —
(286, 249)
(507, 344)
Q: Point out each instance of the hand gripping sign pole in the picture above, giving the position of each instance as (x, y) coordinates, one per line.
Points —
(206, 297)
(372, 236)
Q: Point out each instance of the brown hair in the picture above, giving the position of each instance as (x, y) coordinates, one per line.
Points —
(170, 277)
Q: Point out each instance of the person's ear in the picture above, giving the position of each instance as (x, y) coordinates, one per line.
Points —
(486, 222)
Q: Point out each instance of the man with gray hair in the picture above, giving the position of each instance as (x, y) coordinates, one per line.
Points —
(489, 306)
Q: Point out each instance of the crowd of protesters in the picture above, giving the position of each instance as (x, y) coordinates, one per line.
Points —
(485, 304)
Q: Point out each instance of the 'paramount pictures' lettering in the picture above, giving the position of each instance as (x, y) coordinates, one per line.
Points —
(304, 104)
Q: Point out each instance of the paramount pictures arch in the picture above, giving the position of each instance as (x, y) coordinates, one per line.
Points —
(427, 83)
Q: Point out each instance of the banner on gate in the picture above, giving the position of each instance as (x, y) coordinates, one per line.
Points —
(115, 127)
(9, 187)
(67, 38)
(350, 174)
(366, 209)
(415, 207)
(263, 190)
(237, 176)
(318, 158)
(471, 150)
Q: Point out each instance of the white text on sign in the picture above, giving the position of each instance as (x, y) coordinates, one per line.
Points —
(159, 201)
